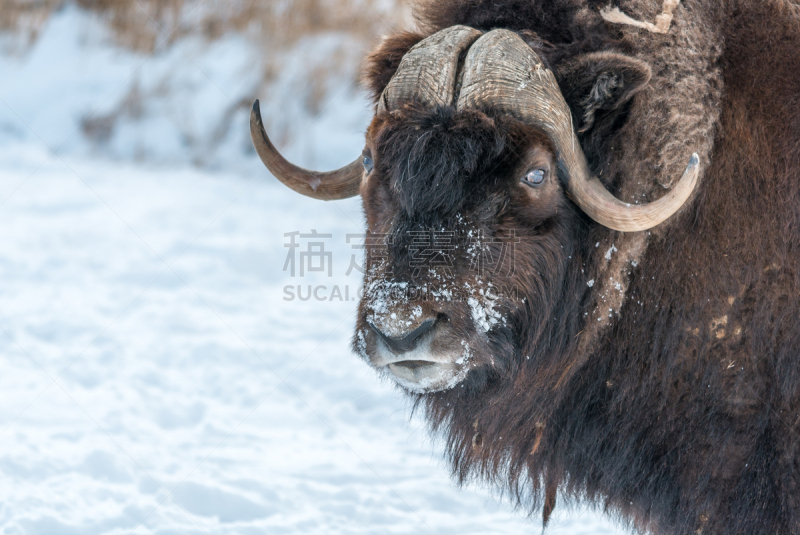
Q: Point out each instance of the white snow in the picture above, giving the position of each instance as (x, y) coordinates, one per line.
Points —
(482, 309)
(155, 378)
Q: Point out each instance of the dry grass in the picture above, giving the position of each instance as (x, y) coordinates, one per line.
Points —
(149, 26)
(143, 25)
(26, 16)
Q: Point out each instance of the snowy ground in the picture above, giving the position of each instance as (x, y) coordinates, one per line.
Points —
(155, 379)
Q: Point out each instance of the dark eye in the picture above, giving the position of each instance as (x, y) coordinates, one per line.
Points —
(535, 177)
(368, 165)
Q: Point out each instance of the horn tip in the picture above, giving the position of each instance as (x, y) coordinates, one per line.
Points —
(255, 113)
(694, 161)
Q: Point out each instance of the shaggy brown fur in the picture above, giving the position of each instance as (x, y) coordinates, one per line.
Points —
(667, 392)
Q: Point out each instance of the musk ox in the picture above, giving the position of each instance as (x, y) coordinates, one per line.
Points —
(577, 311)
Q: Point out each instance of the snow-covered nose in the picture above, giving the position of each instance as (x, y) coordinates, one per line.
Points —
(404, 341)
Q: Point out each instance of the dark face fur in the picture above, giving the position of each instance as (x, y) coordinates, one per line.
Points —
(471, 233)
(474, 260)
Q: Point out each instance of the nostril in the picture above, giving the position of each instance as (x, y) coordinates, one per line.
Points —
(405, 342)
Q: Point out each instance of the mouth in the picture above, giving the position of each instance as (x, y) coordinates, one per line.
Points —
(412, 358)
(426, 376)
(413, 365)
(417, 371)
(421, 371)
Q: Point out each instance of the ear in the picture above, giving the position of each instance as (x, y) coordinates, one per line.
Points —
(600, 81)
(382, 63)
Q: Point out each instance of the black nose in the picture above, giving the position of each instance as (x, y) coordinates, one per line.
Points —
(405, 342)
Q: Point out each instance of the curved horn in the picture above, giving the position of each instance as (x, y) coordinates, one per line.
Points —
(519, 84)
(328, 186)
(427, 73)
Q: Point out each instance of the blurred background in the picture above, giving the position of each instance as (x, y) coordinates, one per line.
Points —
(164, 370)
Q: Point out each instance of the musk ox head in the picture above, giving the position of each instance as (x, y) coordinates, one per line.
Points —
(476, 192)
